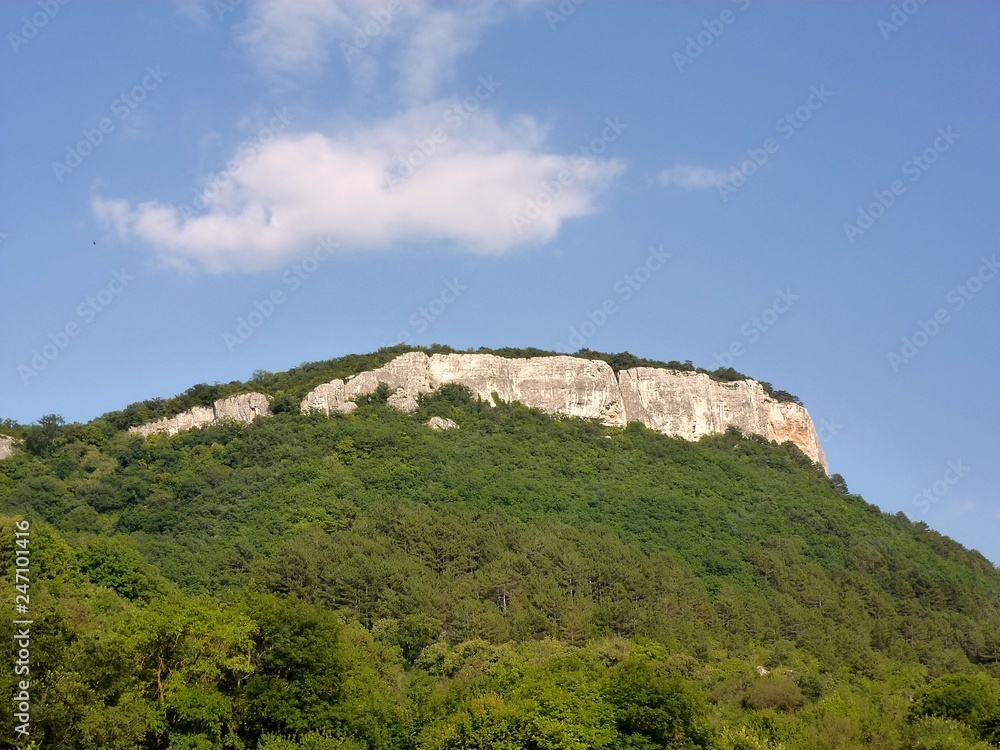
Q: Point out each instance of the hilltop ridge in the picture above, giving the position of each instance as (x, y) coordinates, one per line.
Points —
(681, 401)
(368, 578)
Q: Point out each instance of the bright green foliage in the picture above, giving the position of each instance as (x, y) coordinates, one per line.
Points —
(363, 581)
(972, 699)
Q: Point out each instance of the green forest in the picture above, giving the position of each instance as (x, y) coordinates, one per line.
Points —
(363, 582)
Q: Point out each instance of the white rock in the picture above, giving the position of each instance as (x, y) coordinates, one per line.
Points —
(244, 407)
(442, 423)
(679, 403)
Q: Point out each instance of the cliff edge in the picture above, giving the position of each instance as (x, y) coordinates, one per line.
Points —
(678, 403)
(245, 407)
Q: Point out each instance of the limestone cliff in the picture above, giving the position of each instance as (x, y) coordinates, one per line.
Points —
(682, 404)
(6, 447)
(244, 407)
(678, 403)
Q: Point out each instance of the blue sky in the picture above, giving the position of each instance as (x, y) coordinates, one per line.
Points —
(344, 174)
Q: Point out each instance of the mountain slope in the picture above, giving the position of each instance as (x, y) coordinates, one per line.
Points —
(524, 579)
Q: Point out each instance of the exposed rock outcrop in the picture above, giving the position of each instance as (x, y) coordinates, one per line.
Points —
(792, 422)
(6, 447)
(329, 397)
(682, 404)
(442, 423)
(244, 407)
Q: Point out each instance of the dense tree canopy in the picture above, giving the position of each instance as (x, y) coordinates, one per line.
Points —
(362, 581)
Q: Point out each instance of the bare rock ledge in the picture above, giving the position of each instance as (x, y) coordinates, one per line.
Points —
(244, 407)
(681, 404)
(442, 423)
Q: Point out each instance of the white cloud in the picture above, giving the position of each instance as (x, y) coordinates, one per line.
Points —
(284, 195)
(475, 191)
(439, 38)
(288, 37)
(420, 39)
(689, 177)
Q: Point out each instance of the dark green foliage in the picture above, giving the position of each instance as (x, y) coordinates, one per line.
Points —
(654, 710)
(298, 675)
(363, 581)
(42, 439)
(839, 483)
(780, 395)
(627, 360)
(778, 693)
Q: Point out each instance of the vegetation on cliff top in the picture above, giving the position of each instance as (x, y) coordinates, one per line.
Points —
(526, 581)
(287, 389)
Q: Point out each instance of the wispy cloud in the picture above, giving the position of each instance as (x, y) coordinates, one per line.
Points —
(437, 41)
(283, 37)
(299, 187)
(347, 183)
(196, 11)
(688, 177)
(420, 40)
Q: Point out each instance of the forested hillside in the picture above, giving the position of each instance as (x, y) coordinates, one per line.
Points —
(363, 581)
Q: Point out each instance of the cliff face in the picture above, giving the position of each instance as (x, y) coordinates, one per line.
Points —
(563, 385)
(6, 447)
(242, 408)
(682, 404)
(792, 422)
